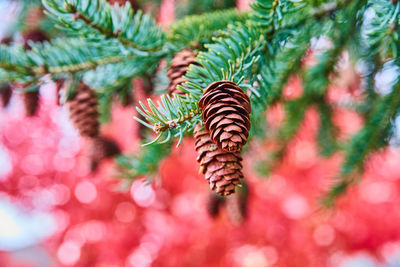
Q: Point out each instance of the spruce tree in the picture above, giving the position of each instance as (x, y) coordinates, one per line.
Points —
(243, 60)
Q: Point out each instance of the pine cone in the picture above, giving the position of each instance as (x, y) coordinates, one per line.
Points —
(236, 206)
(225, 111)
(34, 36)
(222, 169)
(5, 94)
(31, 99)
(5, 88)
(83, 111)
(178, 67)
(214, 204)
(102, 148)
(6, 40)
(31, 102)
(33, 16)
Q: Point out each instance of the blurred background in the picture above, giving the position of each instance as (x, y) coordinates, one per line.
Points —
(55, 211)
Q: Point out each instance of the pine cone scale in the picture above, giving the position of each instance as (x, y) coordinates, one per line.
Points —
(222, 109)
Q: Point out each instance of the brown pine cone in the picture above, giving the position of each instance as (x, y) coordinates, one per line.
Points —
(5, 88)
(31, 102)
(178, 67)
(214, 204)
(225, 111)
(5, 94)
(222, 169)
(31, 99)
(6, 40)
(34, 36)
(102, 148)
(236, 206)
(83, 111)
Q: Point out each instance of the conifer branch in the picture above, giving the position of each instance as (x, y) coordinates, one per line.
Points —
(383, 32)
(327, 132)
(197, 30)
(172, 117)
(70, 55)
(98, 19)
(371, 137)
(231, 57)
(15, 60)
(270, 13)
(259, 50)
(88, 65)
(114, 79)
(315, 80)
(282, 63)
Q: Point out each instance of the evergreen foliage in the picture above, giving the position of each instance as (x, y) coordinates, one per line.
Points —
(259, 50)
(185, 8)
(98, 19)
(196, 30)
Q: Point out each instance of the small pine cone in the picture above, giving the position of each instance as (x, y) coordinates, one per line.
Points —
(214, 204)
(6, 40)
(236, 206)
(102, 148)
(178, 67)
(225, 111)
(34, 36)
(222, 169)
(31, 102)
(33, 17)
(83, 111)
(5, 94)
